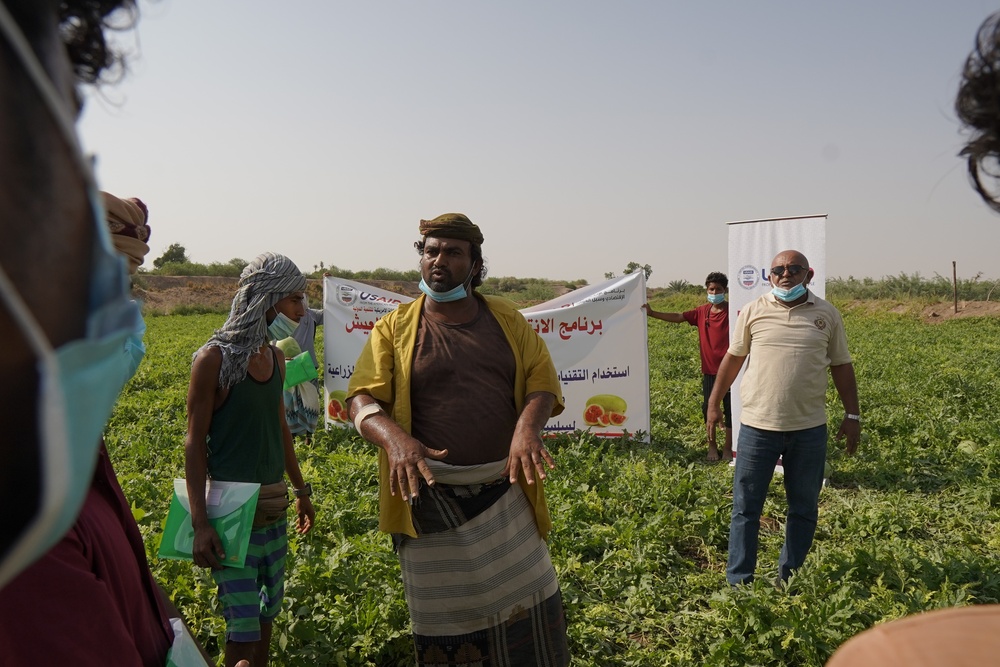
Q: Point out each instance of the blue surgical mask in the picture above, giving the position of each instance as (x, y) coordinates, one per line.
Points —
(787, 295)
(456, 293)
(717, 298)
(281, 327)
(79, 382)
(135, 350)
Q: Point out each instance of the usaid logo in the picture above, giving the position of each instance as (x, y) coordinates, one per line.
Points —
(749, 277)
(346, 295)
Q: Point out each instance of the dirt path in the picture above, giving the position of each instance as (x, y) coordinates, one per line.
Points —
(165, 294)
(946, 311)
(930, 314)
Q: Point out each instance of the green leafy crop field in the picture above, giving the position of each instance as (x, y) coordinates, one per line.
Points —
(911, 523)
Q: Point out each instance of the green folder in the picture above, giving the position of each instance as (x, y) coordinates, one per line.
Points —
(299, 369)
(230, 507)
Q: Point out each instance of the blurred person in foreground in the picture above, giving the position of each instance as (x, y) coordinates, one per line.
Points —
(961, 636)
(712, 320)
(455, 388)
(237, 433)
(791, 337)
(72, 339)
(95, 585)
(65, 307)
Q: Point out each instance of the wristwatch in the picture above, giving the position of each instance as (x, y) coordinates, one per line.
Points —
(856, 418)
(307, 491)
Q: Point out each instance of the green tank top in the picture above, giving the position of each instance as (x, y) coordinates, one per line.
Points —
(244, 439)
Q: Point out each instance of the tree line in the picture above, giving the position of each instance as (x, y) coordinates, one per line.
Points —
(175, 262)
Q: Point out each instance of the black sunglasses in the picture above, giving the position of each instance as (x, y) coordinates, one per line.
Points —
(793, 269)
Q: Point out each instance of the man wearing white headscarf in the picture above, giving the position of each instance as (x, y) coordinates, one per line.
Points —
(237, 432)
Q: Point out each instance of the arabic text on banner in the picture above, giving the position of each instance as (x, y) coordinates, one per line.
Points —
(596, 336)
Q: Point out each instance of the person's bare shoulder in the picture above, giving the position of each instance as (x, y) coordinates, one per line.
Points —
(205, 369)
(209, 356)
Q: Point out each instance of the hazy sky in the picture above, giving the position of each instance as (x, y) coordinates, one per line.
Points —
(580, 135)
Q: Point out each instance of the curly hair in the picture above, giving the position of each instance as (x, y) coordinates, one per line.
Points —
(978, 108)
(717, 277)
(82, 26)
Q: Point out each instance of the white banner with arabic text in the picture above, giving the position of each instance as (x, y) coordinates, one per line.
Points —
(596, 336)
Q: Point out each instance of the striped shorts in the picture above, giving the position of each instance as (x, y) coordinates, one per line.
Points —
(253, 593)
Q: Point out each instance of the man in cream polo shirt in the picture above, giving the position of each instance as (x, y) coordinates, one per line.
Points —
(795, 336)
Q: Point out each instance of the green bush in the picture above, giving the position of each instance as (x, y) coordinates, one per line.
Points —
(913, 286)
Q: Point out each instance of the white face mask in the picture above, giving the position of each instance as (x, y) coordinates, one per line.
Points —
(78, 383)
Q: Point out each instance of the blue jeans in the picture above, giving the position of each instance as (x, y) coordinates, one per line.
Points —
(803, 456)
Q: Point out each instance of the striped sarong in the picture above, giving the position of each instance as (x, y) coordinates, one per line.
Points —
(483, 592)
(253, 593)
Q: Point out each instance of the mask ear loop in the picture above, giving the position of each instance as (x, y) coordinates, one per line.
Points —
(51, 415)
(29, 325)
(467, 283)
(51, 418)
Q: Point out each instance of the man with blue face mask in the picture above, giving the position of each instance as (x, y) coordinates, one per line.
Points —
(237, 433)
(794, 336)
(455, 388)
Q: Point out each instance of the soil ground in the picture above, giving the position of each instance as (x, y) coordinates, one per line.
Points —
(165, 294)
(946, 311)
(935, 312)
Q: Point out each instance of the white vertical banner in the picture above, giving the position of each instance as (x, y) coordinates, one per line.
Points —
(595, 335)
(752, 246)
(597, 338)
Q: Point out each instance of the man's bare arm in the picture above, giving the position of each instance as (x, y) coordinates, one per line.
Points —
(527, 451)
(406, 454)
(847, 387)
(666, 317)
(728, 370)
(207, 550)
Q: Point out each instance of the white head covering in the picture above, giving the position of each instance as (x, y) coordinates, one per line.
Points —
(264, 282)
